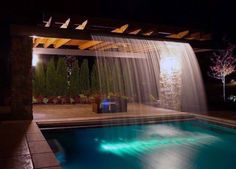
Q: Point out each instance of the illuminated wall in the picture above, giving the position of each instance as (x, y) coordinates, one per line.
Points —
(170, 82)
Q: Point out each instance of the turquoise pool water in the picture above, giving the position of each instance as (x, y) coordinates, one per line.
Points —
(170, 145)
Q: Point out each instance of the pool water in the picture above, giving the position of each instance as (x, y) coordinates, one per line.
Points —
(168, 145)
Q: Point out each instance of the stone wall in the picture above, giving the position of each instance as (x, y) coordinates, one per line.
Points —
(21, 77)
(170, 83)
(4, 71)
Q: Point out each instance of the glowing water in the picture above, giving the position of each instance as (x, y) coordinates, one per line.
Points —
(135, 147)
(147, 71)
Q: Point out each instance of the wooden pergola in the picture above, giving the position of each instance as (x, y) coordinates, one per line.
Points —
(83, 44)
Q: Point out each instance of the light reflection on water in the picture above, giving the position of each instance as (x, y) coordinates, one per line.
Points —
(155, 137)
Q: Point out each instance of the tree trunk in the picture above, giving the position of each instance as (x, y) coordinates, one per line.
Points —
(223, 81)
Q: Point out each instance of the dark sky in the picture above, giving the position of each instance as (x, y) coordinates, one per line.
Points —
(215, 15)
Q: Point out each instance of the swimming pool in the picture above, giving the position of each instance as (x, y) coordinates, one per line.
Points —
(191, 144)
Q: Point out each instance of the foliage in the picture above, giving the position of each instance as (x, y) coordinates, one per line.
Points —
(94, 79)
(45, 100)
(62, 82)
(72, 101)
(74, 88)
(51, 79)
(84, 77)
(223, 64)
(39, 82)
(34, 100)
(232, 98)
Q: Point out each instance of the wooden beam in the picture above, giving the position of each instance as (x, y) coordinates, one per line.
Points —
(49, 41)
(72, 33)
(60, 42)
(89, 44)
(205, 37)
(148, 33)
(194, 36)
(100, 45)
(107, 45)
(66, 24)
(121, 29)
(48, 23)
(36, 42)
(75, 42)
(202, 50)
(179, 35)
(117, 30)
(82, 26)
(135, 32)
(78, 52)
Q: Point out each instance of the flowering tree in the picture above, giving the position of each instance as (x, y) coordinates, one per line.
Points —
(223, 64)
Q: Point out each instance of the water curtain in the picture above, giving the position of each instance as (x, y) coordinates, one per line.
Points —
(160, 73)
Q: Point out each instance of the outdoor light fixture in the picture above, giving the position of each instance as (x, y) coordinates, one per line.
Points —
(35, 59)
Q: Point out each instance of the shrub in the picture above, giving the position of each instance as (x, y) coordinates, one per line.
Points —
(94, 79)
(84, 77)
(39, 83)
(51, 79)
(45, 100)
(74, 88)
(62, 82)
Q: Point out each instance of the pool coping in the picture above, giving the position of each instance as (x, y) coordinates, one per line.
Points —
(111, 121)
(24, 146)
(217, 120)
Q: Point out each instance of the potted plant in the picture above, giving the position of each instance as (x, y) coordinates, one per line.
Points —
(97, 105)
(123, 103)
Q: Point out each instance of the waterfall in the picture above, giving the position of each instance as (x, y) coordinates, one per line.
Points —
(160, 73)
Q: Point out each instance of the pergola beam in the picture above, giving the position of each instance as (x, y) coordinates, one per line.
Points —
(82, 26)
(60, 42)
(48, 23)
(77, 52)
(121, 29)
(89, 44)
(31, 31)
(135, 32)
(179, 35)
(49, 41)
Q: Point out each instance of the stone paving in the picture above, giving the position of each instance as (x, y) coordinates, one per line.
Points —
(84, 112)
(22, 146)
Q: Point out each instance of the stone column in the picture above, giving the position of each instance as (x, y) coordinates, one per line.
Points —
(4, 72)
(21, 77)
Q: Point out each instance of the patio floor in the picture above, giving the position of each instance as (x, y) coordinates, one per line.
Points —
(72, 114)
(49, 113)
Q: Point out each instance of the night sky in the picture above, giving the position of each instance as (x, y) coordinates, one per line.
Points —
(217, 16)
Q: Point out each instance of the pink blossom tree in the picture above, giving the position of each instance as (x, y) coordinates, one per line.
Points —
(223, 64)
